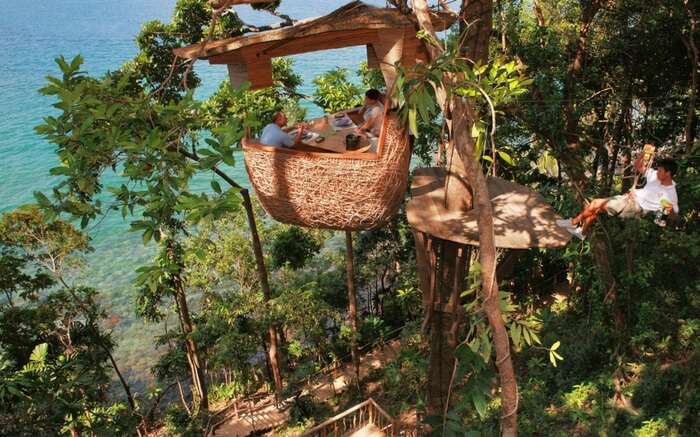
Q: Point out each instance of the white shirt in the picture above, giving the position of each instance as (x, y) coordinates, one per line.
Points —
(273, 135)
(375, 111)
(649, 197)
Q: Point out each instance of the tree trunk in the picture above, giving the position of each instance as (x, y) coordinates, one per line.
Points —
(260, 265)
(463, 116)
(198, 380)
(267, 295)
(537, 8)
(182, 395)
(352, 306)
(478, 14)
(442, 270)
(125, 386)
(573, 154)
(104, 347)
(692, 48)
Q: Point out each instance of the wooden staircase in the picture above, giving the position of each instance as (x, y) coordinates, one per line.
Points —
(367, 419)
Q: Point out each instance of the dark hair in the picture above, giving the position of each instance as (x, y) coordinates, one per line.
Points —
(667, 164)
(373, 94)
(276, 115)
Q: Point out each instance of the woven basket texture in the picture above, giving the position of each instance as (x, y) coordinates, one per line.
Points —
(321, 190)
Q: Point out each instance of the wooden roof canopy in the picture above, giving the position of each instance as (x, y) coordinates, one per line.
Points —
(389, 36)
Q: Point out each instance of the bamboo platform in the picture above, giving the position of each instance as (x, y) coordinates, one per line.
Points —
(522, 218)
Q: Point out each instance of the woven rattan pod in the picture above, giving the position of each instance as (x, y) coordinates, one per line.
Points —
(331, 190)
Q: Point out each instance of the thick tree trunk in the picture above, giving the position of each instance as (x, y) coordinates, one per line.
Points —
(352, 306)
(478, 14)
(574, 153)
(442, 270)
(267, 294)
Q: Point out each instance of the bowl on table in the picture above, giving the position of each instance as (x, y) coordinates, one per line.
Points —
(341, 120)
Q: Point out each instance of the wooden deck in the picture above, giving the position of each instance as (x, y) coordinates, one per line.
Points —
(522, 218)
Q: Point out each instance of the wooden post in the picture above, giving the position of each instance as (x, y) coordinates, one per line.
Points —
(389, 50)
(265, 285)
(352, 306)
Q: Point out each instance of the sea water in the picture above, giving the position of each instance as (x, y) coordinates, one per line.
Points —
(32, 35)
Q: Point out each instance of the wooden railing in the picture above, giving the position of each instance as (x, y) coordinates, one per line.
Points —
(242, 408)
(366, 413)
(383, 341)
(245, 408)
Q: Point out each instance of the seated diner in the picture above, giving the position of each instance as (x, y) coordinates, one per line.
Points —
(352, 131)
(372, 113)
(276, 135)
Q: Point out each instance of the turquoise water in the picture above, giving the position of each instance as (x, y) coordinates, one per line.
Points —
(102, 31)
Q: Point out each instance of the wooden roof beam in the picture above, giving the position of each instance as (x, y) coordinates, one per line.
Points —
(353, 17)
(223, 4)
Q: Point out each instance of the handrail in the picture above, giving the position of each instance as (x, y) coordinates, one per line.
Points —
(383, 339)
(362, 414)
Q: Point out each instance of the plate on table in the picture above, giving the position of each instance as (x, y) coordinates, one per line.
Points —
(342, 122)
(308, 135)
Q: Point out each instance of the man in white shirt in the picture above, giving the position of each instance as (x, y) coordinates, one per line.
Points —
(659, 193)
(273, 134)
(372, 114)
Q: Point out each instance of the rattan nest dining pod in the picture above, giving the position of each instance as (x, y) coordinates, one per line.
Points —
(346, 191)
(332, 190)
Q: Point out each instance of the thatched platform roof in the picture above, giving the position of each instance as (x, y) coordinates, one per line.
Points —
(356, 23)
(389, 36)
(522, 218)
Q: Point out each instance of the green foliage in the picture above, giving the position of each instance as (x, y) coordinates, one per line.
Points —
(372, 78)
(292, 247)
(155, 68)
(334, 92)
(403, 380)
(179, 423)
(140, 122)
(385, 267)
(305, 407)
(271, 5)
(489, 86)
(254, 109)
(54, 368)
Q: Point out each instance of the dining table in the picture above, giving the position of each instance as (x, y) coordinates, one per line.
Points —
(334, 128)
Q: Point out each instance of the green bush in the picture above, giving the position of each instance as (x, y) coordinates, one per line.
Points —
(293, 247)
(334, 92)
(179, 423)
